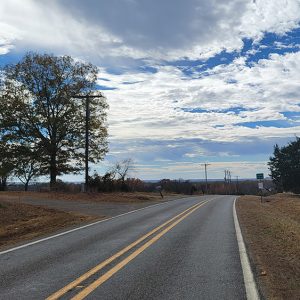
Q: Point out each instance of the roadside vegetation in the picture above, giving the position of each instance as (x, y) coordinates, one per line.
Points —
(117, 197)
(20, 222)
(271, 232)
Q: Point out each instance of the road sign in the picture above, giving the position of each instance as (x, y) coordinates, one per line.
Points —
(260, 185)
(260, 176)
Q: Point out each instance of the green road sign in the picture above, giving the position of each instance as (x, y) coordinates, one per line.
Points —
(260, 176)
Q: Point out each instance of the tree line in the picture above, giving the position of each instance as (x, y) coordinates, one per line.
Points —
(42, 123)
(284, 166)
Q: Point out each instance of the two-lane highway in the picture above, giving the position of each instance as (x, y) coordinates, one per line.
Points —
(182, 249)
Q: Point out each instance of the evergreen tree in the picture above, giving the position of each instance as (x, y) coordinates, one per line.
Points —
(285, 166)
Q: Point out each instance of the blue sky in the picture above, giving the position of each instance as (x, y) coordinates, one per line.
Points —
(187, 82)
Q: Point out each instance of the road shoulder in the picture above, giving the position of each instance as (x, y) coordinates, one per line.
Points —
(250, 285)
(271, 232)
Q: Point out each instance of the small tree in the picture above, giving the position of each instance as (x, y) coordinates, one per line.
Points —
(122, 169)
(28, 164)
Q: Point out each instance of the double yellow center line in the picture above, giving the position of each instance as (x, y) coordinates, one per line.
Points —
(90, 288)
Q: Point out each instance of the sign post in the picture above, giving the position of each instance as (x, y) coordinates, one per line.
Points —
(260, 177)
(261, 185)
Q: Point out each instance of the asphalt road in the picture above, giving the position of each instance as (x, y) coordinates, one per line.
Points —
(193, 256)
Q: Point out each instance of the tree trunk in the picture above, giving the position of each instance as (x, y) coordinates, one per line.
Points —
(26, 186)
(53, 171)
(3, 183)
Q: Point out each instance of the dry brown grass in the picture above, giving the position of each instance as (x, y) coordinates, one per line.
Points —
(272, 235)
(95, 197)
(20, 222)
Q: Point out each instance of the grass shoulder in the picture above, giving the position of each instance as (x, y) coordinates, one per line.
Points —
(271, 232)
(21, 222)
(116, 197)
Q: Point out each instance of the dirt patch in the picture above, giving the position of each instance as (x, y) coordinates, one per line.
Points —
(272, 235)
(20, 222)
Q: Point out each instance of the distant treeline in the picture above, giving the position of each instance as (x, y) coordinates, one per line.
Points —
(100, 184)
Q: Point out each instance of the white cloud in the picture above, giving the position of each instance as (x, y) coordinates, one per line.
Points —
(262, 92)
(188, 170)
(46, 26)
(277, 16)
(169, 29)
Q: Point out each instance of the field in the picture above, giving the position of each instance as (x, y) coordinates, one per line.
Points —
(21, 222)
(272, 235)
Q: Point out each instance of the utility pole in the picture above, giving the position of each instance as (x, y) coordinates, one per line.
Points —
(237, 185)
(206, 183)
(227, 180)
(87, 129)
(229, 173)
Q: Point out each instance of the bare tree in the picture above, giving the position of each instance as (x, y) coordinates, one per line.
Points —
(123, 168)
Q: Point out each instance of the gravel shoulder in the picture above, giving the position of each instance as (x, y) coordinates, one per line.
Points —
(271, 232)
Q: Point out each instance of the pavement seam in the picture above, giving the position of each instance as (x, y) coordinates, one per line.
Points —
(250, 285)
(82, 227)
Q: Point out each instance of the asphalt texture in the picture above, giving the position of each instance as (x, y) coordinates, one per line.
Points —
(197, 259)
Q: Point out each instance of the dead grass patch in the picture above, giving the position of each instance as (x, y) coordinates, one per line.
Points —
(20, 222)
(272, 235)
(94, 197)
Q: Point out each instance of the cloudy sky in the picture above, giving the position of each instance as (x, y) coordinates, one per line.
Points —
(187, 81)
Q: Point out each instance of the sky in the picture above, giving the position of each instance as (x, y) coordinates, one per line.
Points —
(187, 81)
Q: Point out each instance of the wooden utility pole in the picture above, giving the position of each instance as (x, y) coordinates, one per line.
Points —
(227, 180)
(206, 183)
(87, 130)
(237, 185)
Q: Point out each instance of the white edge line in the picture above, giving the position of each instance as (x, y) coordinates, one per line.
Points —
(82, 227)
(250, 285)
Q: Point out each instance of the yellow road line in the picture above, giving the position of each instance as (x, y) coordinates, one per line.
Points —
(100, 266)
(124, 262)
